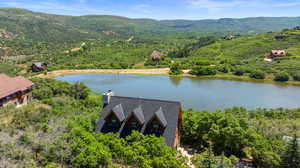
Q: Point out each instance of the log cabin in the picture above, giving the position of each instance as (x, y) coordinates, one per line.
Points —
(14, 91)
(148, 116)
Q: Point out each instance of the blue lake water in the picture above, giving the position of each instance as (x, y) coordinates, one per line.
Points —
(199, 94)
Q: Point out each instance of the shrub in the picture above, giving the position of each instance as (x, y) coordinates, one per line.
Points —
(223, 68)
(93, 155)
(79, 91)
(175, 69)
(296, 76)
(239, 71)
(282, 77)
(206, 70)
(257, 74)
(203, 62)
(24, 139)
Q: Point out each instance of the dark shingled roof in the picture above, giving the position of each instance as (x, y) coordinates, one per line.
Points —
(144, 110)
(138, 113)
(119, 112)
(39, 64)
(161, 117)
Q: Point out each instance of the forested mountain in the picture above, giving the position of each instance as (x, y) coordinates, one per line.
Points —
(24, 24)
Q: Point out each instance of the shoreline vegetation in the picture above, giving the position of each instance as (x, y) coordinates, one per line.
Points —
(58, 130)
(164, 71)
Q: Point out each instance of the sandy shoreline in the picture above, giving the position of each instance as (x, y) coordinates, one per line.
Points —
(158, 71)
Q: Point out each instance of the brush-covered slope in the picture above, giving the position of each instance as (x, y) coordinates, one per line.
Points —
(251, 50)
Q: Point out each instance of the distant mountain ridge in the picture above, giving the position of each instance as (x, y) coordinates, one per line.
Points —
(25, 24)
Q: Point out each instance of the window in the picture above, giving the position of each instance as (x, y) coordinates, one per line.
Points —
(111, 124)
(133, 123)
(154, 128)
(21, 100)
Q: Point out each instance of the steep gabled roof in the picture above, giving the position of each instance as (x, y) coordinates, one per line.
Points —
(159, 114)
(9, 86)
(278, 52)
(39, 64)
(118, 112)
(166, 112)
(139, 115)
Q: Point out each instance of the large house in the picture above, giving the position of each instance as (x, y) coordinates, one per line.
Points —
(278, 53)
(14, 91)
(157, 117)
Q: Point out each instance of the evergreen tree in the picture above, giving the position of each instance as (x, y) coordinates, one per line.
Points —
(291, 157)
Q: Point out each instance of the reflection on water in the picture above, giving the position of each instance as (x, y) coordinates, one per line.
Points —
(175, 80)
(199, 94)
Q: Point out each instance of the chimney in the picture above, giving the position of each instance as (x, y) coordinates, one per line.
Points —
(106, 97)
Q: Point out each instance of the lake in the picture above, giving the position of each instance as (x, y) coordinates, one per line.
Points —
(196, 93)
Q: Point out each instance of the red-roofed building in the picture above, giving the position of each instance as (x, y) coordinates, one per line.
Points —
(278, 53)
(14, 91)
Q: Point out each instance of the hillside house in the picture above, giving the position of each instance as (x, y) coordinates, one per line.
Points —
(279, 37)
(14, 91)
(157, 117)
(277, 53)
(39, 66)
(297, 28)
(231, 37)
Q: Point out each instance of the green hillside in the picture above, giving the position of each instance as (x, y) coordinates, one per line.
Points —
(253, 49)
(29, 25)
(244, 56)
(119, 42)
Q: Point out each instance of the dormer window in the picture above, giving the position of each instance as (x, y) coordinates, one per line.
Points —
(114, 119)
(135, 122)
(157, 124)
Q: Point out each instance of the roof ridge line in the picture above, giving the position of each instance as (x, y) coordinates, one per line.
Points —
(170, 101)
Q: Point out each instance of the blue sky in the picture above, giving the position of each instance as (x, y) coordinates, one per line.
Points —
(163, 9)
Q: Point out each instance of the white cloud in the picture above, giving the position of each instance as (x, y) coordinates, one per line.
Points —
(287, 4)
(143, 8)
(77, 7)
(214, 5)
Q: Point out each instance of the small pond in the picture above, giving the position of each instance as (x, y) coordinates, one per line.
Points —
(199, 94)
